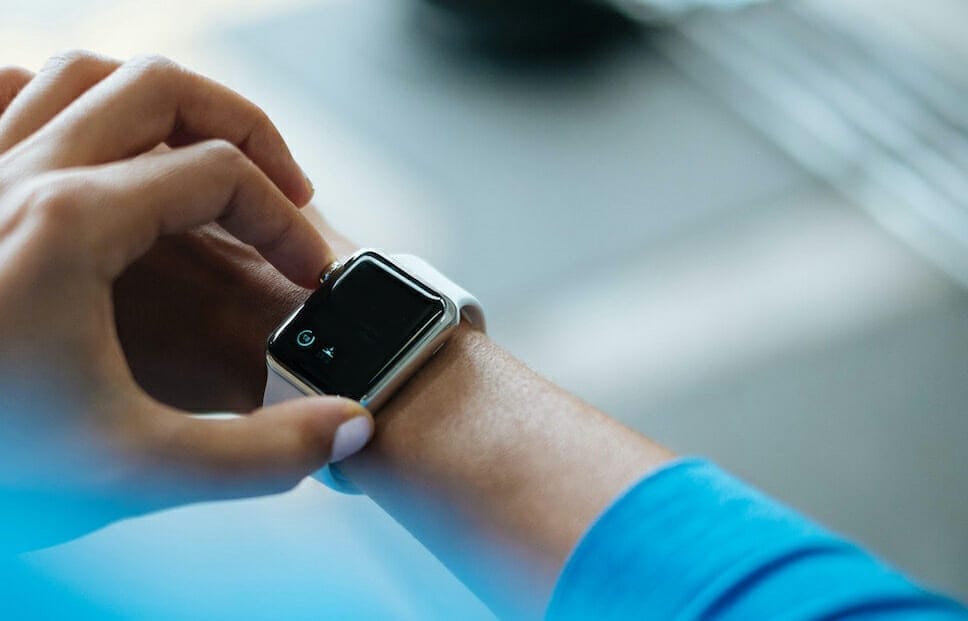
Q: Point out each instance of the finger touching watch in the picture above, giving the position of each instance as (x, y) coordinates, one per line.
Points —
(373, 322)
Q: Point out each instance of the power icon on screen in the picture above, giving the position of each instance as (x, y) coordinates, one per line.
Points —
(305, 339)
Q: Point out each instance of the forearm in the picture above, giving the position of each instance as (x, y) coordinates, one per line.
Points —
(496, 470)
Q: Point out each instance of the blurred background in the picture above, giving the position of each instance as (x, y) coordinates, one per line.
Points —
(741, 230)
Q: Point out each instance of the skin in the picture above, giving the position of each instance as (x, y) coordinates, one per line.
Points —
(85, 192)
(496, 470)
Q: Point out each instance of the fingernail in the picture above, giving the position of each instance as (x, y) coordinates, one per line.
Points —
(309, 184)
(351, 436)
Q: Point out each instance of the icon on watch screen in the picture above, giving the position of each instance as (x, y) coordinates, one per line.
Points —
(326, 354)
(305, 339)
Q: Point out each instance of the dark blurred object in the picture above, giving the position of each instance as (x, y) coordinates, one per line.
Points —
(543, 28)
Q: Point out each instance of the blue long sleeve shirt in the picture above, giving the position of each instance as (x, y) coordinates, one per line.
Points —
(691, 542)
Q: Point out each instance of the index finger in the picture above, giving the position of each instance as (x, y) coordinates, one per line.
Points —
(12, 81)
(152, 100)
(119, 210)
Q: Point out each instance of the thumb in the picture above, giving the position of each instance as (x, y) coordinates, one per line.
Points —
(268, 451)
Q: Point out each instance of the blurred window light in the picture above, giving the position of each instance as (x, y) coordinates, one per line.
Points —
(865, 95)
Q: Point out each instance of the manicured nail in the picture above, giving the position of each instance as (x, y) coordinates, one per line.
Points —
(351, 436)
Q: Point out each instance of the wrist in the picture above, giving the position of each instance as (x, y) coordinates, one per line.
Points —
(415, 420)
(481, 458)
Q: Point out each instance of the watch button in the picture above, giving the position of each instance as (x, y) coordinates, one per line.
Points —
(329, 271)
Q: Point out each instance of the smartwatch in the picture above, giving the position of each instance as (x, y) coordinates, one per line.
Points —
(373, 322)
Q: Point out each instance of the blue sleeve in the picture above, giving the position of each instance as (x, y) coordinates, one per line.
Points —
(691, 542)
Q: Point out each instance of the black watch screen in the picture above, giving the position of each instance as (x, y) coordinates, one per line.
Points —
(348, 334)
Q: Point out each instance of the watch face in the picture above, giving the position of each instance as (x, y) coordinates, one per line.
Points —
(349, 334)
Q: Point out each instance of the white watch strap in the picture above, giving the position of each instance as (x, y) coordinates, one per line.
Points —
(470, 308)
(279, 390)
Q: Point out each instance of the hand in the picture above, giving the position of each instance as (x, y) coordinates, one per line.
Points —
(191, 351)
(83, 195)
